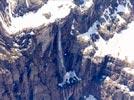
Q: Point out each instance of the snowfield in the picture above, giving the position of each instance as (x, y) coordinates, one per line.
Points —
(48, 13)
(56, 10)
(120, 46)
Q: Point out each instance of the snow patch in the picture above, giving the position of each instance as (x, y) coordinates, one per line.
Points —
(129, 70)
(90, 97)
(91, 30)
(123, 87)
(107, 78)
(87, 4)
(56, 9)
(69, 78)
(120, 46)
(121, 20)
(108, 17)
(48, 13)
(124, 7)
(131, 93)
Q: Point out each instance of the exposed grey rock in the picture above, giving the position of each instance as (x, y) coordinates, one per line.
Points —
(50, 63)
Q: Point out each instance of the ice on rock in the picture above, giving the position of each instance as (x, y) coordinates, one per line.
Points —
(120, 46)
(57, 9)
(69, 79)
(129, 70)
(90, 97)
(121, 20)
(124, 8)
(89, 52)
(48, 13)
(91, 30)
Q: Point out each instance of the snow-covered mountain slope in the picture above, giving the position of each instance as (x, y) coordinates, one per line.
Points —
(66, 49)
(48, 13)
(113, 41)
(120, 46)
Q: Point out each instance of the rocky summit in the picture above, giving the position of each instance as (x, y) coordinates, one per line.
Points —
(66, 50)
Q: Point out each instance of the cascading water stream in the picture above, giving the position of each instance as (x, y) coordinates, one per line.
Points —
(62, 69)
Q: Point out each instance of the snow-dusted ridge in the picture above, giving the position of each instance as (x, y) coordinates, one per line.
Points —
(48, 13)
(56, 10)
(120, 45)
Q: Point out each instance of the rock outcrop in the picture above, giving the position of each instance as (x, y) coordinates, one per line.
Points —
(54, 57)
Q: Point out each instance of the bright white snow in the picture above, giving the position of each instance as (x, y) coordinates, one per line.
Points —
(91, 30)
(121, 20)
(87, 4)
(129, 70)
(120, 46)
(68, 76)
(56, 8)
(124, 8)
(90, 97)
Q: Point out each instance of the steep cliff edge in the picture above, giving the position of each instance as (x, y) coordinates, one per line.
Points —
(65, 50)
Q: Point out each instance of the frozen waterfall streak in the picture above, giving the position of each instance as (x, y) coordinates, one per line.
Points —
(83, 67)
(62, 69)
(27, 3)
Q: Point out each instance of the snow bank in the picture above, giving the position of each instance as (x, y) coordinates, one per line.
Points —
(56, 10)
(90, 97)
(129, 70)
(69, 78)
(120, 46)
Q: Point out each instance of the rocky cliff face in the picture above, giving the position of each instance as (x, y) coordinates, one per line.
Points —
(54, 50)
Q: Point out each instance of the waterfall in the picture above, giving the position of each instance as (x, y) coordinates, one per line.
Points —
(60, 54)
(62, 69)
(83, 67)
